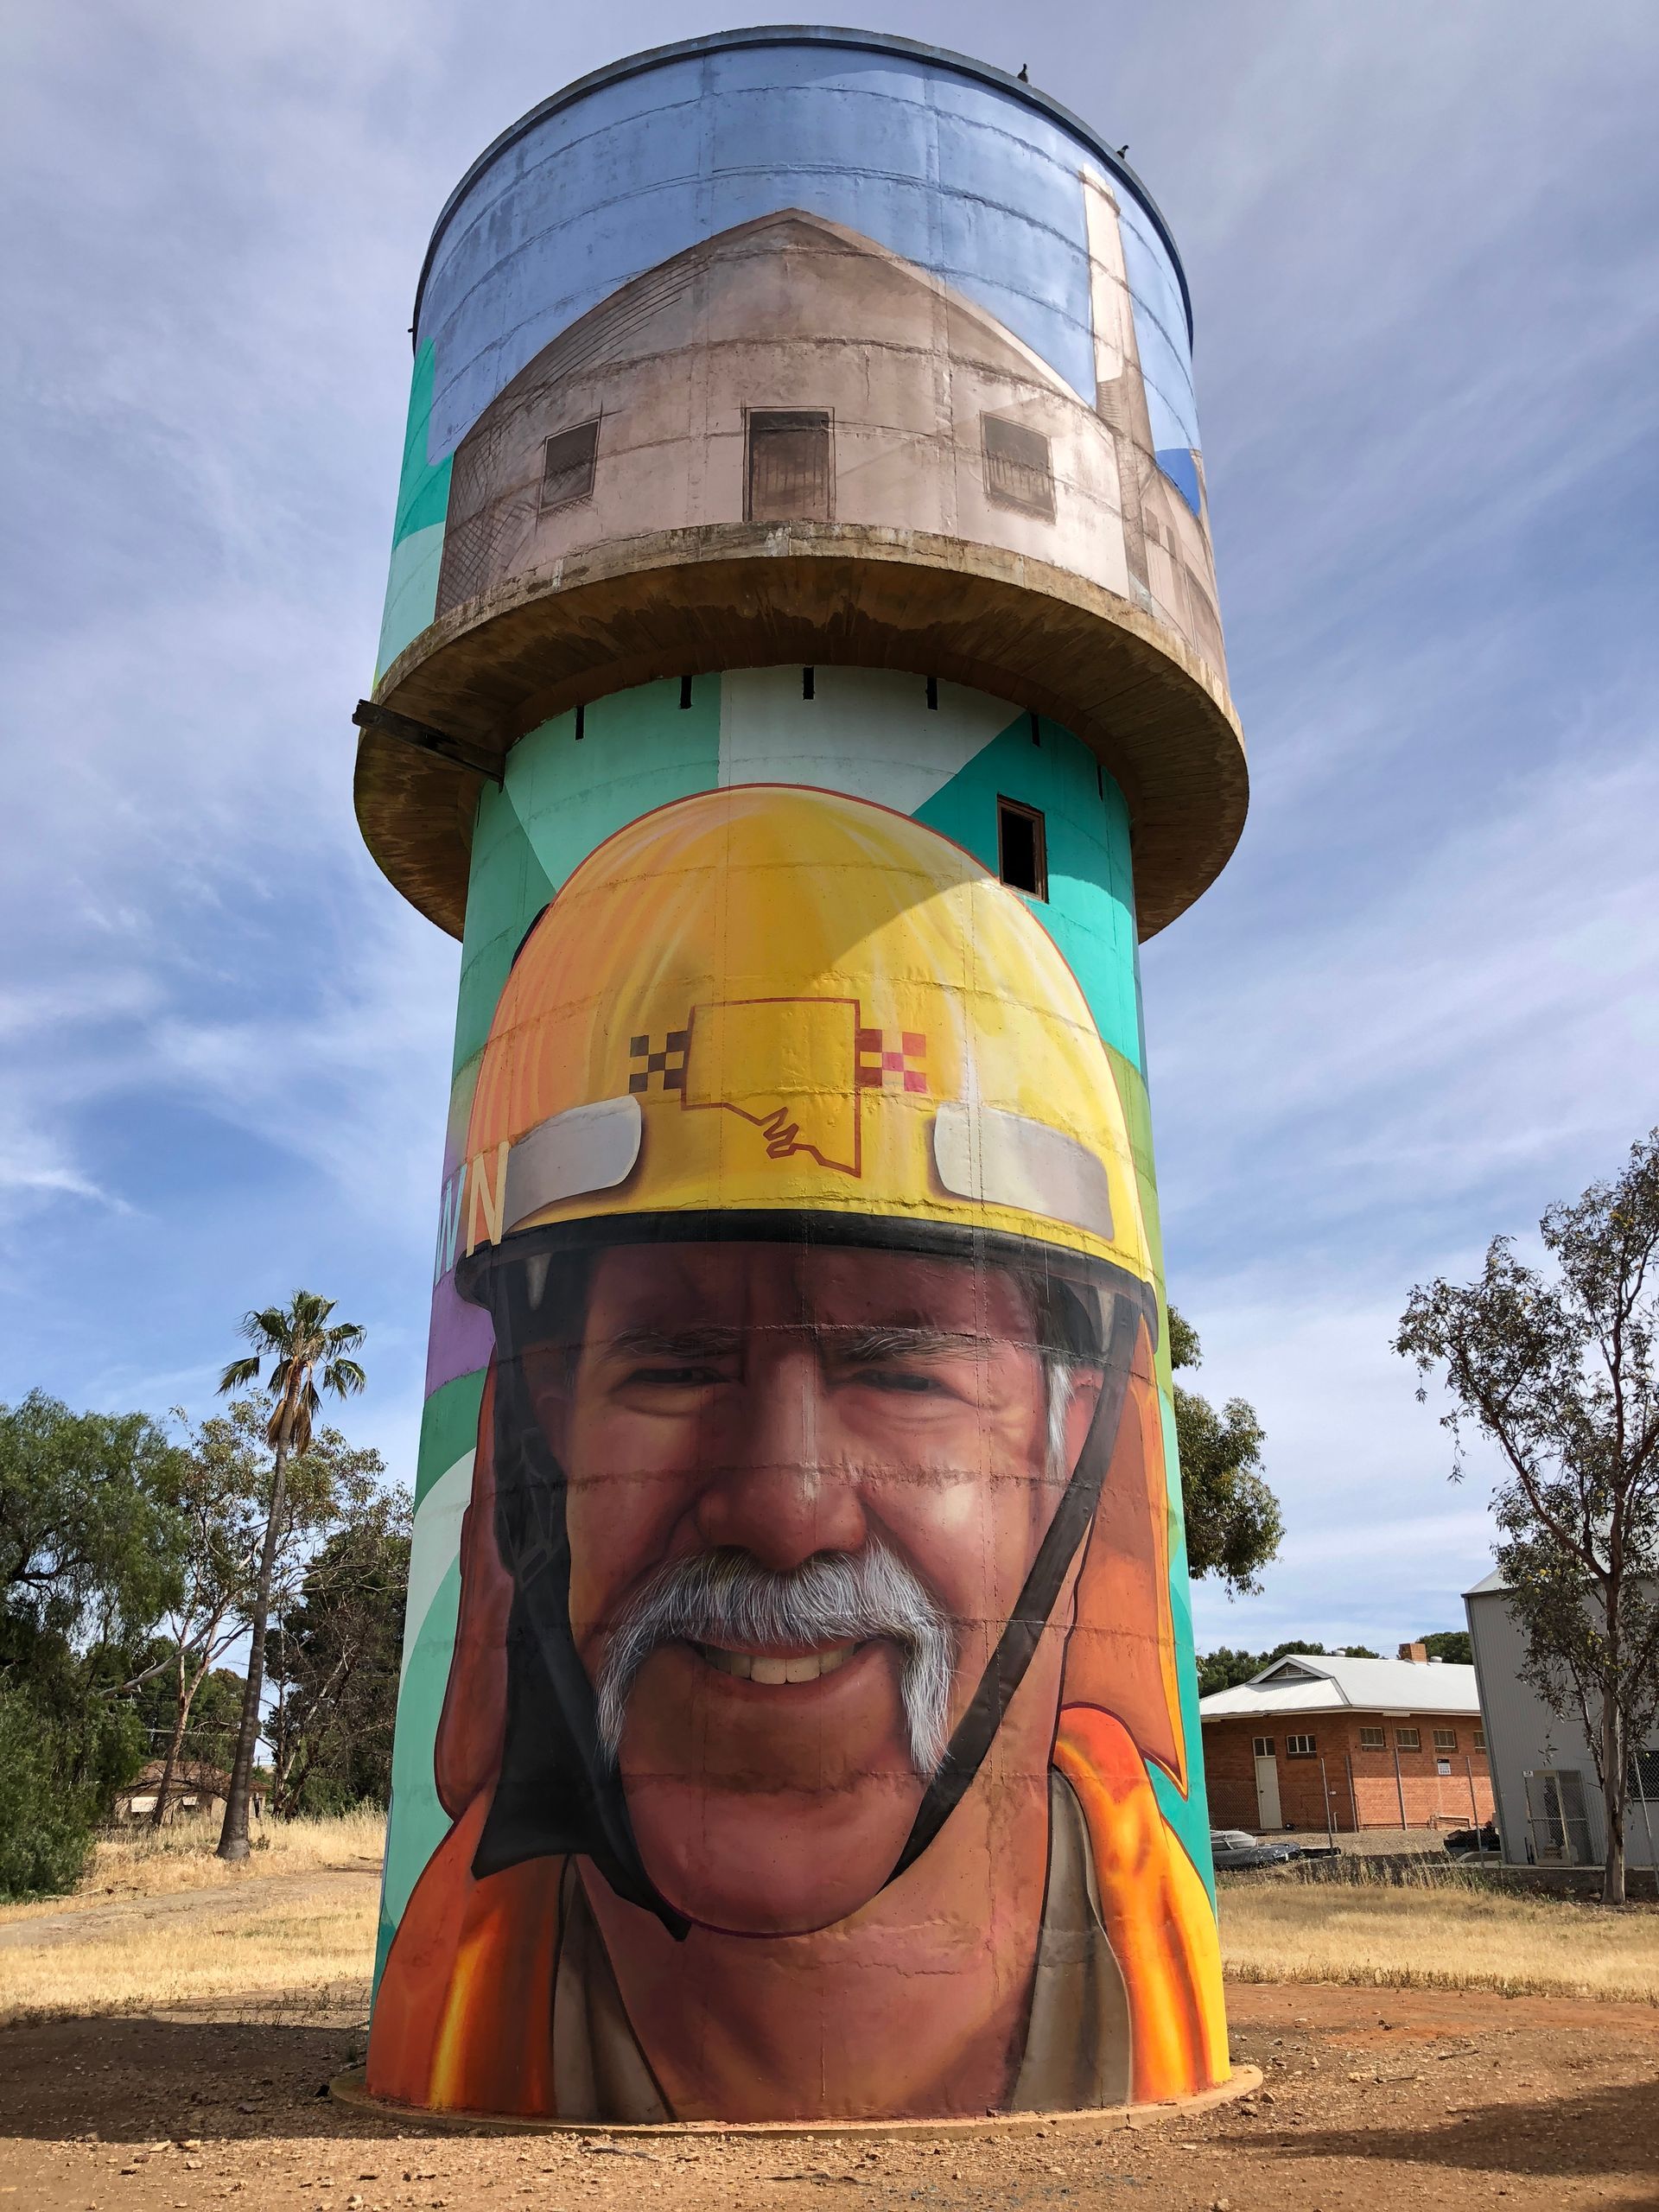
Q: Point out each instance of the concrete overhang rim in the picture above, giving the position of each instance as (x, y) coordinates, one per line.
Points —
(785, 551)
(775, 546)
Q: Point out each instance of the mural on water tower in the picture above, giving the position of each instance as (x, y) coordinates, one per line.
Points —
(798, 1716)
(814, 1622)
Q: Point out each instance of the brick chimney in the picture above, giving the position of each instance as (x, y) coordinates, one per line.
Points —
(1417, 1653)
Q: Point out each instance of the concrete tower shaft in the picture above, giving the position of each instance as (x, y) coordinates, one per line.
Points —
(801, 688)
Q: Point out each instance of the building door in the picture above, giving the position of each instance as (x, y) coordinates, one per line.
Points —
(1267, 1814)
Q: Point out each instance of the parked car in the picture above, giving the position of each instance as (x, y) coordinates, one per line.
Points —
(1233, 1848)
(1475, 1843)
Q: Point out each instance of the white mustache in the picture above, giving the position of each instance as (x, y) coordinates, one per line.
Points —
(728, 1598)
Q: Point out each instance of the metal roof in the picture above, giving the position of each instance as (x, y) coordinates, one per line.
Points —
(1308, 1682)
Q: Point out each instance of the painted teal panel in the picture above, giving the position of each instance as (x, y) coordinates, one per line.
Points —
(563, 795)
(639, 750)
(507, 890)
(417, 1823)
(418, 527)
(411, 593)
(1089, 910)
(423, 485)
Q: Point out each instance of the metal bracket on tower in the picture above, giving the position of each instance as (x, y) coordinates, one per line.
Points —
(454, 750)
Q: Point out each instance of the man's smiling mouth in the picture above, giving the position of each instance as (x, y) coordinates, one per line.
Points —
(772, 1667)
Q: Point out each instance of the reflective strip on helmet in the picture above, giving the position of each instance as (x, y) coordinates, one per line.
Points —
(1005, 1160)
(588, 1149)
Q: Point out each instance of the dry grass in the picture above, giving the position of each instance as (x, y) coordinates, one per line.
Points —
(1446, 1928)
(297, 1954)
(291, 1927)
(146, 1862)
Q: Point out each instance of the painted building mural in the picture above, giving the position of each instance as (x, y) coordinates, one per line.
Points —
(798, 1715)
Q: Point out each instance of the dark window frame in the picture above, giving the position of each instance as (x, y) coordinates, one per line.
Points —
(1015, 809)
(582, 490)
(1013, 478)
(780, 422)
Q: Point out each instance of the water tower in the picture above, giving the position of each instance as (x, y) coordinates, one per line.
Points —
(801, 689)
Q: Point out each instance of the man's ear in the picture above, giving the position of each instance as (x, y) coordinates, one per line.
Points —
(1087, 1383)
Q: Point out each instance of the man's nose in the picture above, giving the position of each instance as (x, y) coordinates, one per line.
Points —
(777, 1490)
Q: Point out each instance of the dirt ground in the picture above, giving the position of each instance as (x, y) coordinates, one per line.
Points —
(1371, 2103)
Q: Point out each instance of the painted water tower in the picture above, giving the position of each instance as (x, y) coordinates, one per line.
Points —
(801, 688)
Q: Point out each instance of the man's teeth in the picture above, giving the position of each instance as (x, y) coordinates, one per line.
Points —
(757, 1667)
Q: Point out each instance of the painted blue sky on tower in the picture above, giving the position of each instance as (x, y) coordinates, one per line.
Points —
(959, 176)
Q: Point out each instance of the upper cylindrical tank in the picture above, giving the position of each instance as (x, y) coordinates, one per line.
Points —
(805, 345)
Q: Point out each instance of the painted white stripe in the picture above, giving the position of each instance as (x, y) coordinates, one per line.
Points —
(435, 1547)
(868, 732)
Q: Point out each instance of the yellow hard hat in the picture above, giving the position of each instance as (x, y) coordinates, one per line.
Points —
(765, 1003)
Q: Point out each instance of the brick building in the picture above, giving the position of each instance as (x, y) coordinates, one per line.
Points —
(1360, 1742)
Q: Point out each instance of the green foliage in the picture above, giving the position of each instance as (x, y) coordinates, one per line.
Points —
(209, 1734)
(1233, 1525)
(130, 1563)
(46, 1830)
(1225, 1669)
(335, 1660)
(89, 1544)
(1556, 1370)
(1450, 1644)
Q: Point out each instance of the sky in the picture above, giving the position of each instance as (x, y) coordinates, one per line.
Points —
(1423, 247)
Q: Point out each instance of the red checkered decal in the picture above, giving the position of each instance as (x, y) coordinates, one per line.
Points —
(892, 1058)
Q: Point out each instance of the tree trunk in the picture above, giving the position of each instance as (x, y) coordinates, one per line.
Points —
(181, 1714)
(233, 1836)
(1612, 1796)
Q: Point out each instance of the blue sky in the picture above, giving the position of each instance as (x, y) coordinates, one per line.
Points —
(1424, 255)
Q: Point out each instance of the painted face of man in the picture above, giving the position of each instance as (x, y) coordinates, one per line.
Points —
(804, 1489)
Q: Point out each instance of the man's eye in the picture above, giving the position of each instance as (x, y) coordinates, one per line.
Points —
(903, 1379)
(677, 1378)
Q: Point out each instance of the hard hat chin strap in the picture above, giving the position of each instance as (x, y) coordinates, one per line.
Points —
(556, 1791)
(1017, 1645)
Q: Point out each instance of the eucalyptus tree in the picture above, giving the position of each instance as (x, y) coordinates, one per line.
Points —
(1234, 1525)
(308, 1354)
(1557, 1371)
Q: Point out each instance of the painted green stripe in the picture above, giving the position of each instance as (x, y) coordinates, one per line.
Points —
(448, 1428)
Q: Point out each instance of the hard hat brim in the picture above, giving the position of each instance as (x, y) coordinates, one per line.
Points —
(480, 1275)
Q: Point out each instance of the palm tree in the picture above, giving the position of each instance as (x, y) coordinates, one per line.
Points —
(300, 1341)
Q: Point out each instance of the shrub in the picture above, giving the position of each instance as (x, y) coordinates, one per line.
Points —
(46, 1829)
